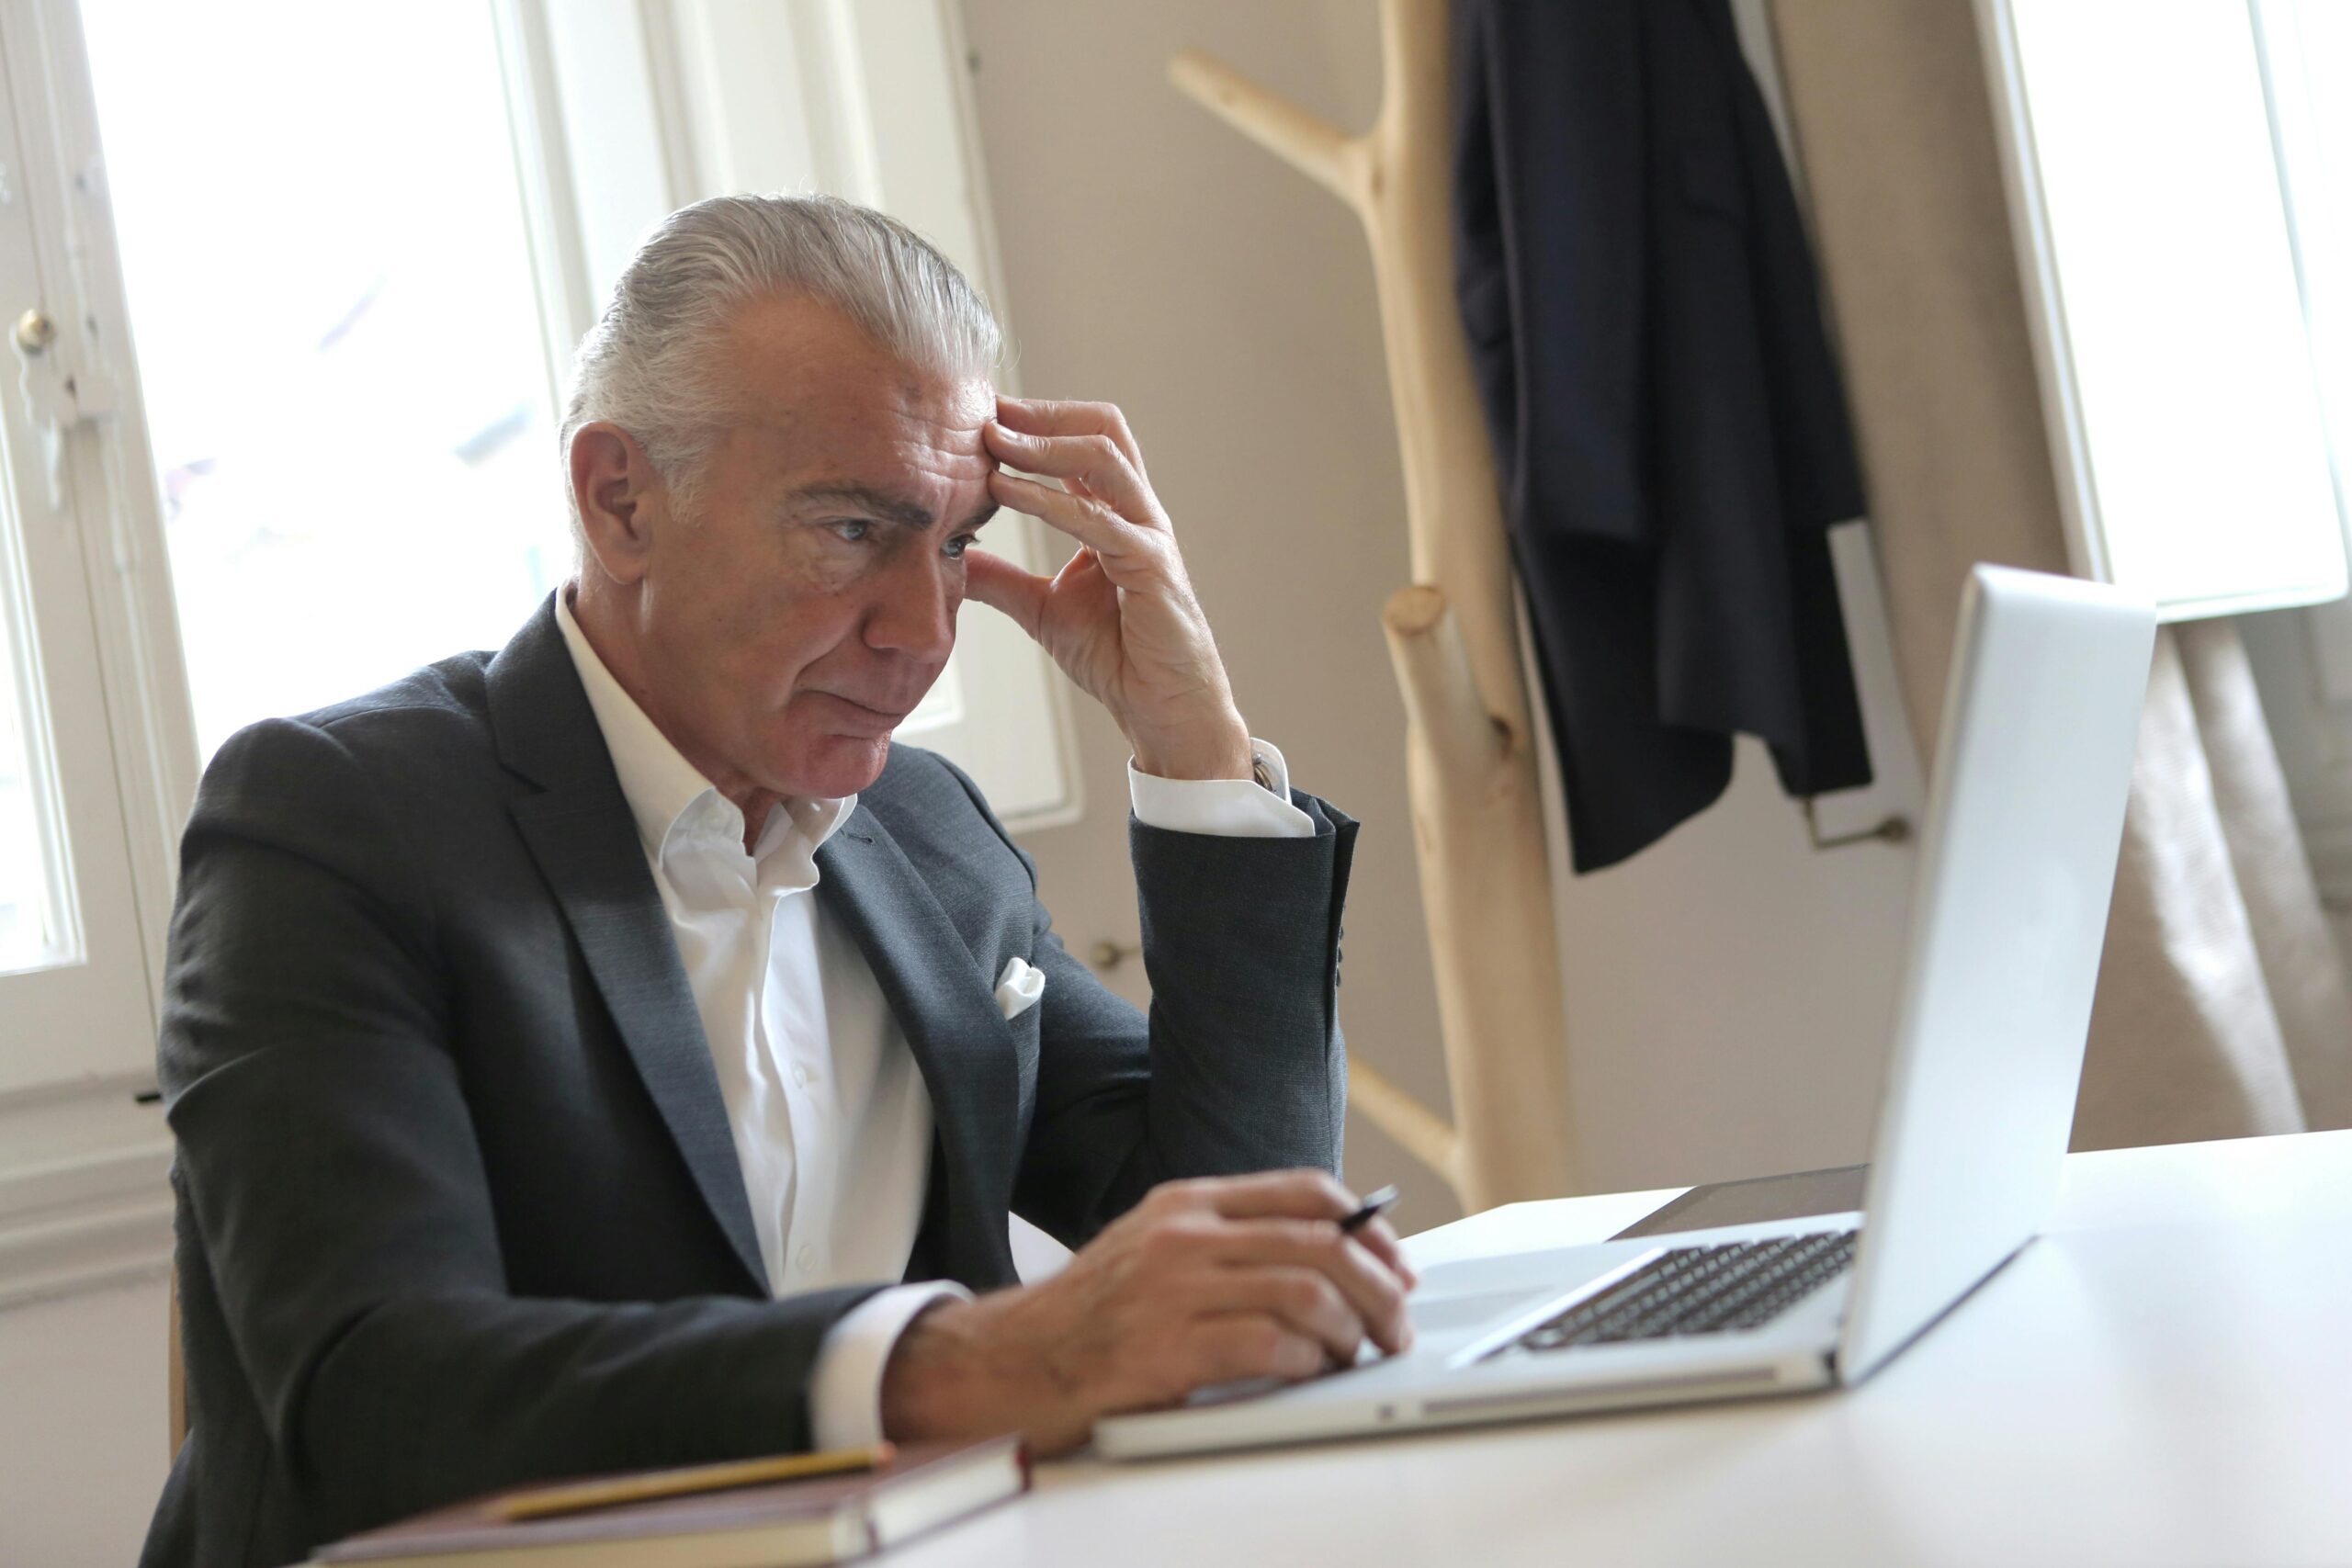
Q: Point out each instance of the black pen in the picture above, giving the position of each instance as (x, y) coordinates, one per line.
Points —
(1375, 1205)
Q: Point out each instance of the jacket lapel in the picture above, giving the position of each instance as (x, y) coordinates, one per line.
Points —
(580, 831)
(941, 996)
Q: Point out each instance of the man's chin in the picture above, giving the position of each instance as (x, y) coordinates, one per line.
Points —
(842, 765)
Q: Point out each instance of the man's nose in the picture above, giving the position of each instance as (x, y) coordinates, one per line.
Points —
(914, 614)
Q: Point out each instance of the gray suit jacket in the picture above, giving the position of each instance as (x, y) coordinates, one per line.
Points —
(459, 1205)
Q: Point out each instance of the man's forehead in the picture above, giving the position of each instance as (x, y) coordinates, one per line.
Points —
(799, 364)
(906, 450)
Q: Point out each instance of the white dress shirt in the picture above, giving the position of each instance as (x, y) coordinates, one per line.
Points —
(830, 1118)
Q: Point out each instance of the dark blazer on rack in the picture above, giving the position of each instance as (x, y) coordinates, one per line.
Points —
(1669, 430)
(459, 1205)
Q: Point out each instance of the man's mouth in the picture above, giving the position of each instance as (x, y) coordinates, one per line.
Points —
(883, 714)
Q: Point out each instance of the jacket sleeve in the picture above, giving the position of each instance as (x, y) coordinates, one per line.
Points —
(329, 1168)
(1240, 1064)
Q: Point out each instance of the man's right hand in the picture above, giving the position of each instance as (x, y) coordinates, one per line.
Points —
(1205, 1281)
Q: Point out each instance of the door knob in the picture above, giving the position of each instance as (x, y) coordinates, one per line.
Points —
(35, 330)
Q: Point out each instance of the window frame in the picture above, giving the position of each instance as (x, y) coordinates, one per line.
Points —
(108, 470)
(83, 1200)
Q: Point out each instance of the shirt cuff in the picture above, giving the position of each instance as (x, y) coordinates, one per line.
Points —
(1229, 809)
(845, 1381)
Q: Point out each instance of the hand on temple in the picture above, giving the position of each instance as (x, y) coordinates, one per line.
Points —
(1119, 618)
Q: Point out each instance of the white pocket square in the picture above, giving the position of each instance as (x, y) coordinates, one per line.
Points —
(1018, 991)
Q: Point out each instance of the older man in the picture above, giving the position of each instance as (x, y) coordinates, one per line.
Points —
(614, 1051)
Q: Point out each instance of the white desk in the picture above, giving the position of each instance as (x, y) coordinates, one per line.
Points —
(2165, 1377)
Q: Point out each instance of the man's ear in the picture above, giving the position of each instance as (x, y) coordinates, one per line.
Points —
(619, 496)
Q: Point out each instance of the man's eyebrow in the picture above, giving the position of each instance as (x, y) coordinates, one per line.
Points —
(866, 498)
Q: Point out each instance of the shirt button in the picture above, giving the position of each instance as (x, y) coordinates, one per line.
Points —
(804, 1259)
(799, 1076)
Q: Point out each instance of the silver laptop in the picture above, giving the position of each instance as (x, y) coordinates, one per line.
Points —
(2008, 918)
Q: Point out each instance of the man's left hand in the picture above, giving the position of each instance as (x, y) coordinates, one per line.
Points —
(1119, 618)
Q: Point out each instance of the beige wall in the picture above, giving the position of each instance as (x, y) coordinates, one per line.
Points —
(1728, 992)
(1153, 260)
(82, 1432)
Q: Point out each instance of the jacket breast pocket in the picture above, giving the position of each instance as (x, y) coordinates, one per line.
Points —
(1027, 1029)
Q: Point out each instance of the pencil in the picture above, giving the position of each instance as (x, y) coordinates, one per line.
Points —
(577, 1496)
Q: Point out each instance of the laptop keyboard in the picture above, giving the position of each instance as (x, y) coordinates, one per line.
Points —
(1700, 1290)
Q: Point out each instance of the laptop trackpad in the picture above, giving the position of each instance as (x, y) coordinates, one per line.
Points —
(1454, 1314)
(1435, 1323)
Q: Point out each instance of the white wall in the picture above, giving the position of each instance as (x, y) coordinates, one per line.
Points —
(82, 1426)
(1728, 991)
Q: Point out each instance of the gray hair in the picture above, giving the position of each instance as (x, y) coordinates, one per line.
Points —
(644, 365)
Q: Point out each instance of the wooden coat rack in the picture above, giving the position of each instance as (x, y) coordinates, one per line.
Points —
(1477, 819)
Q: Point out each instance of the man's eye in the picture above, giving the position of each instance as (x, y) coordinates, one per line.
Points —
(851, 530)
(958, 545)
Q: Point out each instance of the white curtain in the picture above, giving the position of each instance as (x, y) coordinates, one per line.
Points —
(2223, 1008)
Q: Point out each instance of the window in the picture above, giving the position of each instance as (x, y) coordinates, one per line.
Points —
(355, 247)
(75, 977)
(2306, 662)
(2161, 275)
(2307, 57)
(351, 340)
(2205, 147)
(339, 338)
(36, 927)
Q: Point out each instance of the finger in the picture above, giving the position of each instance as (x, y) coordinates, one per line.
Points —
(1230, 1347)
(1372, 1289)
(1075, 573)
(1093, 462)
(1004, 587)
(1302, 1194)
(1080, 584)
(1116, 541)
(1301, 1299)
(1375, 1238)
(1043, 416)
(1299, 1194)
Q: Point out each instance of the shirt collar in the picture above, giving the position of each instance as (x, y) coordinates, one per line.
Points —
(660, 785)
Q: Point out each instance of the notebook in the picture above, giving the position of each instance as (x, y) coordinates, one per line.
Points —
(829, 1518)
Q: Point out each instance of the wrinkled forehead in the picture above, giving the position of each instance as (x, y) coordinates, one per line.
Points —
(815, 392)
